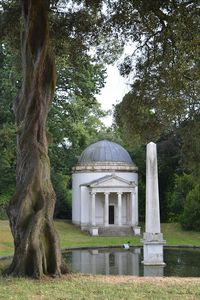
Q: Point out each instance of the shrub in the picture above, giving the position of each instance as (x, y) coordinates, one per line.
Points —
(183, 185)
(63, 206)
(190, 219)
(4, 200)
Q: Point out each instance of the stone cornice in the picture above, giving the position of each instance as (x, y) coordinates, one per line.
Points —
(105, 167)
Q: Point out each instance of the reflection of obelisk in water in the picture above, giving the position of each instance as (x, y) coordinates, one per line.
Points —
(152, 238)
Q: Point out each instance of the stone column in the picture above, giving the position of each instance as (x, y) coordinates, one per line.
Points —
(93, 264)
(93, 221)
(119, 209)
(106, 208)
(134, 263)
(107, 263)
(133, 209)
(136, 206)
(119, 262)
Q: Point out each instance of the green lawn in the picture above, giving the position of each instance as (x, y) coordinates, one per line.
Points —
(174, 235)
(71, 236)
(88, 287)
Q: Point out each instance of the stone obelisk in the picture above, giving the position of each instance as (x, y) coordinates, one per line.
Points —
(152, 237)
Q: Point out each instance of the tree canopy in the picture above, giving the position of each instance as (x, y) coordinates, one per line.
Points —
(165, 67)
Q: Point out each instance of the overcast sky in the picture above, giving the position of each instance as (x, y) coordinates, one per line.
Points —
(116, 87)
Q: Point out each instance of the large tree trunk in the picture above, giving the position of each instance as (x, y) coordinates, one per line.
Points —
(37, 248)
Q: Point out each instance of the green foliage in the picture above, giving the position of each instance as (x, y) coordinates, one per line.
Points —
(4, 199)
(190, 219)
(164, 96)
(183, 185)
(166, 81)
(5, 196)
(190, 155)
(168, 165)
(141, 198)
(63, 196)
(8, 87)
(185, 201)
(7, 157)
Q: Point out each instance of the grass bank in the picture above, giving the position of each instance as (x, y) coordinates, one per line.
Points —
(100, 287)
(71, 236)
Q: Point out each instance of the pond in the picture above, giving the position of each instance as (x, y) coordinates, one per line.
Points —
(181, 262)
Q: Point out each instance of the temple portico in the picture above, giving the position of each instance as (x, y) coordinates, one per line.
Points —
(120, 208)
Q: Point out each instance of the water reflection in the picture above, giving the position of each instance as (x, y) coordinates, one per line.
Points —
(182, 262)
(117, 261)
(154, 271)
(104, 261)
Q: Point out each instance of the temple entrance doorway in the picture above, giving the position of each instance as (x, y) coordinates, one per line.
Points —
(111, 214)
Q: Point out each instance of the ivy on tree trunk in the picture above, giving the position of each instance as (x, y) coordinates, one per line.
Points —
(37, 248)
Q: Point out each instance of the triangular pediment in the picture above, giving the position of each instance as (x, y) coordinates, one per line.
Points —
(111, 181)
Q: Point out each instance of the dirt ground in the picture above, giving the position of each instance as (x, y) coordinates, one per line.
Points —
(155, 280)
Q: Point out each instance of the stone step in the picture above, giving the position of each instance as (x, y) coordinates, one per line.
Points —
(115, 231)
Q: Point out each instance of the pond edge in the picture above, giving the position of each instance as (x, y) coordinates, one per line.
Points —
(112, 246)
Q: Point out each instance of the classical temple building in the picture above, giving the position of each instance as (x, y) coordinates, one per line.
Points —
(105, 191)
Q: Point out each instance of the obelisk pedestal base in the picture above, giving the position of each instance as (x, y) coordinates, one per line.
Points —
(153, 249)
(154, 271)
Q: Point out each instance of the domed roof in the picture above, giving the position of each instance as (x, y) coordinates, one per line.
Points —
(104, 151)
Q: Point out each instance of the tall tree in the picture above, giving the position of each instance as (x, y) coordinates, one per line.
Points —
(37, 247)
